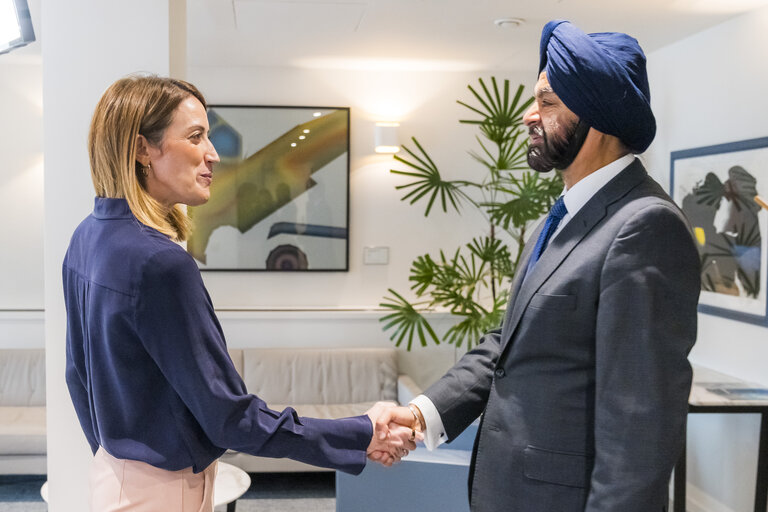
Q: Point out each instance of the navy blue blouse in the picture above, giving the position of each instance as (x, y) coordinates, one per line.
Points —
(147, 364)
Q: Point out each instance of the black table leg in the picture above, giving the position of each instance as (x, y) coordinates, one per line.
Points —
(680, 481)
(761, 490)
(231, 506)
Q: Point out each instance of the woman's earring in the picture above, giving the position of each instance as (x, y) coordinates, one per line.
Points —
(146, 168)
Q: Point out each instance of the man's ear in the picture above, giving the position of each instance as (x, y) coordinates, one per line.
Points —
(142, 150)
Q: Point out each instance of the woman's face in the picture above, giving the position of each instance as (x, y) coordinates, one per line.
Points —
(182, 164)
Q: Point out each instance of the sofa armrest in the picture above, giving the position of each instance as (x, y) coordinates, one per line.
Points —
(407, 389)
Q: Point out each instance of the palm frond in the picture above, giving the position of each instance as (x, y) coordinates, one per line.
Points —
(406, 321)
(427, 182)
(475, 323)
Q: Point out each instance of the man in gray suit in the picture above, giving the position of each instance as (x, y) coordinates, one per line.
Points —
(583, 390)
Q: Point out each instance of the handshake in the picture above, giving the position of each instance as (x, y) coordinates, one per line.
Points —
(395, 432)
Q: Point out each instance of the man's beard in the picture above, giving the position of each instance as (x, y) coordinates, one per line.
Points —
(557, 152)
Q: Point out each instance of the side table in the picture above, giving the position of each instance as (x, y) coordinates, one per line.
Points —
(231, 483)
(714, 392)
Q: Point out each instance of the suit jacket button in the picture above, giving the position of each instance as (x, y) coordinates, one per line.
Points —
(500, 372)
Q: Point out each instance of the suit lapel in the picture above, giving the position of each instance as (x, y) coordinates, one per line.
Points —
(522, 265)
(519, 278)
(561, 246)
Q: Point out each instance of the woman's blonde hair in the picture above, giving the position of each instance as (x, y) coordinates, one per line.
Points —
(131, 106)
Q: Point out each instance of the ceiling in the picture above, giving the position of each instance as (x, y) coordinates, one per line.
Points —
(452, 35)
(429, 35)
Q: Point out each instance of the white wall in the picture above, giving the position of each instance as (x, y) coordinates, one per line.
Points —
(710, 89)
(21, 191)
(21, 198)
(21, 194)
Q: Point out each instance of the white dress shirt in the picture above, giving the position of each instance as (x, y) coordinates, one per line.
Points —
(574, 198)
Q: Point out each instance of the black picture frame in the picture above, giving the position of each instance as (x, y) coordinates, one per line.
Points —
(280, 194)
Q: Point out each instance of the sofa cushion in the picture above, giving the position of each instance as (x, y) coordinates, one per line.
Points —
(22, 430)
(321, 376)
(22, 377)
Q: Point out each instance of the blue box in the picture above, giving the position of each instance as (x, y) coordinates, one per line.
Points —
(423, 481)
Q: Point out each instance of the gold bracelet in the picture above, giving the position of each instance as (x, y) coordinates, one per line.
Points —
(417, 417)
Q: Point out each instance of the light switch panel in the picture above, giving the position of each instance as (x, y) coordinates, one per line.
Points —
(376, 255)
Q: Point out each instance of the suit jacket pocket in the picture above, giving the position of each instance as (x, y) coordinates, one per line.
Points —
(561, 302)
(561, 468)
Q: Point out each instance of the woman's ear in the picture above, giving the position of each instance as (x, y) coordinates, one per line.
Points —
(142, 150)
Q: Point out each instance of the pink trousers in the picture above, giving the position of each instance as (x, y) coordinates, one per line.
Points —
(119, 485)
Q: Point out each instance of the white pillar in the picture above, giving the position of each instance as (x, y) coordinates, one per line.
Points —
(87, 45)
(178, 39)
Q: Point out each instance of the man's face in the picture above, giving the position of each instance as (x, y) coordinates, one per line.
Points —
(555, 132)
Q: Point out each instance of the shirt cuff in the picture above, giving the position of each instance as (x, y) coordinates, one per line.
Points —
(434, 433)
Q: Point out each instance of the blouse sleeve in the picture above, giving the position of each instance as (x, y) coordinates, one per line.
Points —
(176, 322)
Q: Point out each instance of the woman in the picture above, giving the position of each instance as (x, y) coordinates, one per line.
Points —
(149, 374)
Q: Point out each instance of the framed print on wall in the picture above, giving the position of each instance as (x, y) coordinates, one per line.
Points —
(723, 189)
(280, 194)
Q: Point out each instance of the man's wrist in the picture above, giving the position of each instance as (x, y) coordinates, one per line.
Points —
(418, 417)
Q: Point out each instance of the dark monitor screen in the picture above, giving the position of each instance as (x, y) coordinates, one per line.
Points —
(15, 25)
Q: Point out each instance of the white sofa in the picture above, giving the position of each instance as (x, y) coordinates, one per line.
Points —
(323, 383)
(22, 412)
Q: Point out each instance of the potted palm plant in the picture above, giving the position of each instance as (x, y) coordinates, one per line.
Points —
(471, 282)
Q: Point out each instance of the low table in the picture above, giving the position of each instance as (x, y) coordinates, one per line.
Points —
(714, 392)
(231, 483)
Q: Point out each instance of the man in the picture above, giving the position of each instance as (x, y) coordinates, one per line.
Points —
(583, 390)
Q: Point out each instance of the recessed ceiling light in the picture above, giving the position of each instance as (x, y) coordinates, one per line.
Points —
(508, 22)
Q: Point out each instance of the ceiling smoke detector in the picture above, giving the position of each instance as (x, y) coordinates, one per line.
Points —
(508, 22)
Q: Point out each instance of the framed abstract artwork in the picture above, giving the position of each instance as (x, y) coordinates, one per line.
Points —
(280, 194)
(723, 191)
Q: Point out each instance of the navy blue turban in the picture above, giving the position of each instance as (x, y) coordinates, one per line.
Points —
(602, 79)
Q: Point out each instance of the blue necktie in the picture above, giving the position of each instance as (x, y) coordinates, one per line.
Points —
(556, 214)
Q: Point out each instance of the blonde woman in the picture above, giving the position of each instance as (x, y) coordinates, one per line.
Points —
(155, 391)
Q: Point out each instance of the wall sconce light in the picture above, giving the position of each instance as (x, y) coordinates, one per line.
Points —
(385, 138)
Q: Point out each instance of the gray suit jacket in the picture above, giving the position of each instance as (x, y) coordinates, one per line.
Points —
(584, 389)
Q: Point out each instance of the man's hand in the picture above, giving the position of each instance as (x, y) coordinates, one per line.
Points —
(393, 433)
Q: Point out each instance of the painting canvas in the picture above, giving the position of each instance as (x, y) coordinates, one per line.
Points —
(280, 195)
(723, 190)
